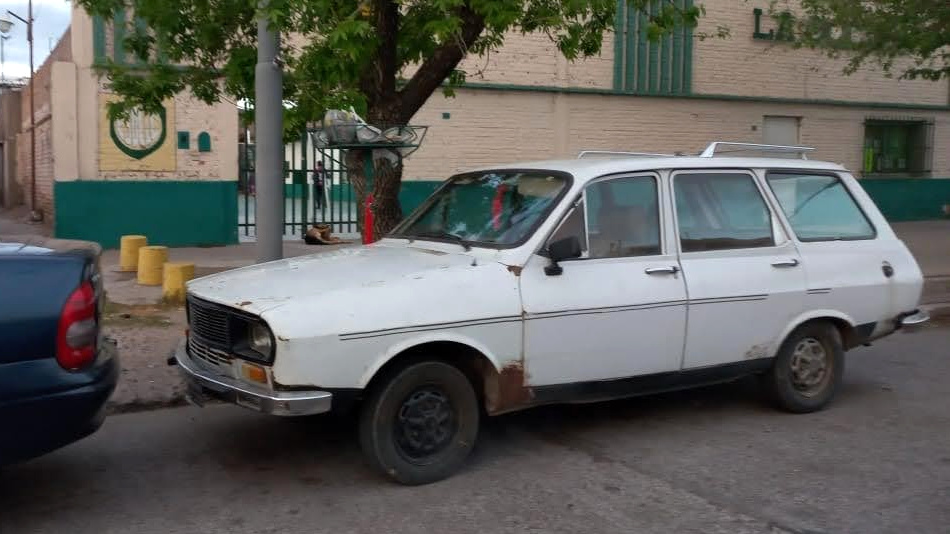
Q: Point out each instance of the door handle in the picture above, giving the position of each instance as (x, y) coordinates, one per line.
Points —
(672, 269)
(785, 263)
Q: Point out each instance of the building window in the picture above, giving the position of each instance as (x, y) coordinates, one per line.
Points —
(898, 147)
(204, 142)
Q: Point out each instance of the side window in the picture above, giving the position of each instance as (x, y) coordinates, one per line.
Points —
(623, 217)
(573, 225)
(819, 207)
(721, 211)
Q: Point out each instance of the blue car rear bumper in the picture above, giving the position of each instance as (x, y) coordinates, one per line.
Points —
(51, 407)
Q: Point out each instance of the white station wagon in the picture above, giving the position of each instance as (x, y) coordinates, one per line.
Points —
(561, 282)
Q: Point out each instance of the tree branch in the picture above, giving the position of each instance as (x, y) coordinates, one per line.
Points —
(437, 67)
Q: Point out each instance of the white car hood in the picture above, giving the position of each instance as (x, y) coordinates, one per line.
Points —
(266, 286)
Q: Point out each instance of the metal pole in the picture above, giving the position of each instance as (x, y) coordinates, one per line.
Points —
(269, 168)
(3, 41)
(35, 214)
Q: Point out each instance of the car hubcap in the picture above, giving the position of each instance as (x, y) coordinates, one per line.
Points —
(425, 424)
(810, 367)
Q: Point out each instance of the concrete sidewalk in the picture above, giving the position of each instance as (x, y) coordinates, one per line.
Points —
(929, 241)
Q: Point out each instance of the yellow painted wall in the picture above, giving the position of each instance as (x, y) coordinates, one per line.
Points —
(112, 158)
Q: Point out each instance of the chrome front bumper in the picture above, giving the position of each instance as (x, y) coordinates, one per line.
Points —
(203, 383)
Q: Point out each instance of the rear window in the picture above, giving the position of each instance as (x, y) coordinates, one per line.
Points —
(721, 211)
(819, 207)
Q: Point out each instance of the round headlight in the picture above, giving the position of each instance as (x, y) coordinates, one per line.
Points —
(260, 339)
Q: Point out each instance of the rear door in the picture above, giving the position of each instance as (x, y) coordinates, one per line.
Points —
(744, 277)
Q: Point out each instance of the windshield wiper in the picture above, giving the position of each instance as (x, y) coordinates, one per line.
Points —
(440, 234)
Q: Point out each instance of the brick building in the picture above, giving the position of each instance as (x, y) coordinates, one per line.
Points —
(683, 92)
(174, 177)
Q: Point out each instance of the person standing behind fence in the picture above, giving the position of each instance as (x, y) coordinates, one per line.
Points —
(319, 182)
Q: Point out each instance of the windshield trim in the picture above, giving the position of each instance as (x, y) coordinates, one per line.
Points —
(568, 178)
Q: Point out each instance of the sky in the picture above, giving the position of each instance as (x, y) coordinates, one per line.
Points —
(51, 18)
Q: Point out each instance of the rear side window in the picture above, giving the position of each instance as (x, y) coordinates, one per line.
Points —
(819, 207)
(720, 211)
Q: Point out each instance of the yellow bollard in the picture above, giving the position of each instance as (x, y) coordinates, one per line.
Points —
(129, 246)
(173, 281)
(151, 260)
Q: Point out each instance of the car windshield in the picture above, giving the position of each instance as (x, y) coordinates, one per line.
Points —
(497, 208)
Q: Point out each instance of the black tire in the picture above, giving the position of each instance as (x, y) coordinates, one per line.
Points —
(795, 386)
(419, 425)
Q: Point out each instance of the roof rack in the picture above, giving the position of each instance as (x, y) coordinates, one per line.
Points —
(589, 153)
(744, 147)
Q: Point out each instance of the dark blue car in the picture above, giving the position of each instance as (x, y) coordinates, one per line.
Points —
(56, 369)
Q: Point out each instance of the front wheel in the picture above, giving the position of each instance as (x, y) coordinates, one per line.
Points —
(808, 369)
(420, 425)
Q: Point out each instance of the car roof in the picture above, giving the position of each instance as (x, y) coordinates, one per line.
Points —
(584, 169)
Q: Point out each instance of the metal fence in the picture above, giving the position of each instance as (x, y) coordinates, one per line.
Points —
(306, 201)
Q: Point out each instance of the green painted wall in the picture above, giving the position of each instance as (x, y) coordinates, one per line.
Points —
(172, 213)
(909, 199)
(899, 199)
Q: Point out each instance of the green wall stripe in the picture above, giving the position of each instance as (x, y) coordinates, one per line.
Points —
(654, 74)
(688, 56)
(899, 199)
(620, 35)
(98, 38)
(642, 49)
(630, 55)
(909, 199)
(118, 36)
(665, 63)
(171, 213)
(677, 67)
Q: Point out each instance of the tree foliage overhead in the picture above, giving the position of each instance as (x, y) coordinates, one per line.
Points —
(345, 52)
(910, 38)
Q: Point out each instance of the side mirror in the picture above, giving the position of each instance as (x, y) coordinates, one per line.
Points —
(563, 249)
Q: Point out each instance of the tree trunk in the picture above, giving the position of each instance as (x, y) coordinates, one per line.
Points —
(387, 212)
(387, 179)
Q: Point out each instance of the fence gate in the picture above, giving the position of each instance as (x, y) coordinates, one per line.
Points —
(305, 202)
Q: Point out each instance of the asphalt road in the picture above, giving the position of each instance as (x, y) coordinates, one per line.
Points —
(711, 460)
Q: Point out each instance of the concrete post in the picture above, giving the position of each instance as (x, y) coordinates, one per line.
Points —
(269, 167)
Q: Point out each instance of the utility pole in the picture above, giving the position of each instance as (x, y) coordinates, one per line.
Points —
(269, 165)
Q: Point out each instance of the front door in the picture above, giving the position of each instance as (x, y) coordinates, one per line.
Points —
(619, 310)
(745, 278)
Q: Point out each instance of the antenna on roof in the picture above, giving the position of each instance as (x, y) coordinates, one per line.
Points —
(711, 150)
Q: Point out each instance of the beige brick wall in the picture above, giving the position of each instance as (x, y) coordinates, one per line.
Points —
(493, 127)
(193, 116)
(44, 166)
(737, 65)
(533, 59)
(741, 65)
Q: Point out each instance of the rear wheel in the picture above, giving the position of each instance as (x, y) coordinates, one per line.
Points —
(420, 425)
(808, 369)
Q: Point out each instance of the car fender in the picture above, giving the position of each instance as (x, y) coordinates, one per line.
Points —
(808, 316)
(405, 344)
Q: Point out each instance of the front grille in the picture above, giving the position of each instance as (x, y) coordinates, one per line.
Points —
(209, 322)
(197, 349)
